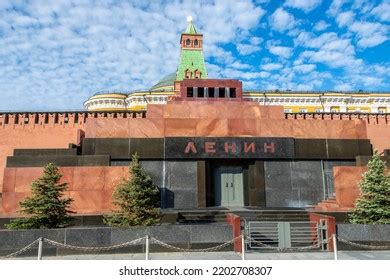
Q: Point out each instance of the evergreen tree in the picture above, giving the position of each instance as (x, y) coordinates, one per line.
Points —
(45, 208)
(373, 205)
(137, 198)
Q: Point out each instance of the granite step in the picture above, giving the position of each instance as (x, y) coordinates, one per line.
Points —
(258, 215)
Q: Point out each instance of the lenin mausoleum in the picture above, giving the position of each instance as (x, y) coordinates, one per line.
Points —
(206, 143)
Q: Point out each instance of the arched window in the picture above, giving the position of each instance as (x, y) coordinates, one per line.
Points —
(188, 42)
(188, 74)
(196, 42)
(197, 74)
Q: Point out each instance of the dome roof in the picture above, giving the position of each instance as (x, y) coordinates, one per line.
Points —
(167, 81)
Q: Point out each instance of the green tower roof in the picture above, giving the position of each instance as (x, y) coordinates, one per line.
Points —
(190, 29)
(191, 58)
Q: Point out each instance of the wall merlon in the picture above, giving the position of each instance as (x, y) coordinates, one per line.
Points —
(369, 118)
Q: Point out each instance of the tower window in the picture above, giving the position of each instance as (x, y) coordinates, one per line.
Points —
(221, 92)
(196, 42)
(198, 74)
(190, 92)
(188, 42)
(232, 93)
(188, 74)
(200, 92)
(211, 92)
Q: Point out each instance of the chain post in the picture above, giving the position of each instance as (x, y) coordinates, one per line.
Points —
(147, 247)
(243, 246)
(335, 246)
(40, 244)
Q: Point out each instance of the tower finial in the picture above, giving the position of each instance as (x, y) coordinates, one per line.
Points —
(189, 18)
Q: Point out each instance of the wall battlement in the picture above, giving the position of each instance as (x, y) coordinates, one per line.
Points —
(369, 118)
(58, 119)
(78, 119)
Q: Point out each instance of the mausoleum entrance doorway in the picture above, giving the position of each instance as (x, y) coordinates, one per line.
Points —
(229, 186)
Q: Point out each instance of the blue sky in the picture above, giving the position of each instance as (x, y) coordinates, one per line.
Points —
(55, 54)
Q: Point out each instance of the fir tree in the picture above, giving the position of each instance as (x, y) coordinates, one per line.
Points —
(45, 208)
(373, 205)
(137, 199)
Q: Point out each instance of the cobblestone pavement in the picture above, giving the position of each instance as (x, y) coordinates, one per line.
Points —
(342, 255)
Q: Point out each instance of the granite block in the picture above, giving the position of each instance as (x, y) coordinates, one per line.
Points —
(212, 127)
(355, 232)
(278, 183)
(293, 184)
(88, 236)
(147, 148)
(88, 146)
(155, 170)
(342, 148)
(16, 239)
(93, 160)
(171, 234)
(115, 147)
(365, 147)
(40, 161)
(307, 180)
(145, 128)
(122, 235)
(329, 176)
(207, 233)
(310, 149)
(181, 179)
(44, 152)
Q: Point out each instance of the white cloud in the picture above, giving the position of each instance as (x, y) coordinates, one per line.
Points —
(308, 40)
(328, 49)
(333, 59)
(335, 7)
(281, 20)
(284, 52)
(382, 11)
(256, 40)
(369, 34)
(218, 53)
(363, 6)
(239, 65)
(321, 25)
(246, 49)
(306, 5)
(343, 87)
(264, 74)
(304, 68)
(271, 66)
(370, 81)
(345, 18)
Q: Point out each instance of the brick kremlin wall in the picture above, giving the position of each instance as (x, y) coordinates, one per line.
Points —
(43, 130)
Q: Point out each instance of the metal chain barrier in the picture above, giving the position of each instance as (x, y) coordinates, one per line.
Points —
(174, 248)
(362, 245)
(211, 249)
(21, 251)
(93, 249)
